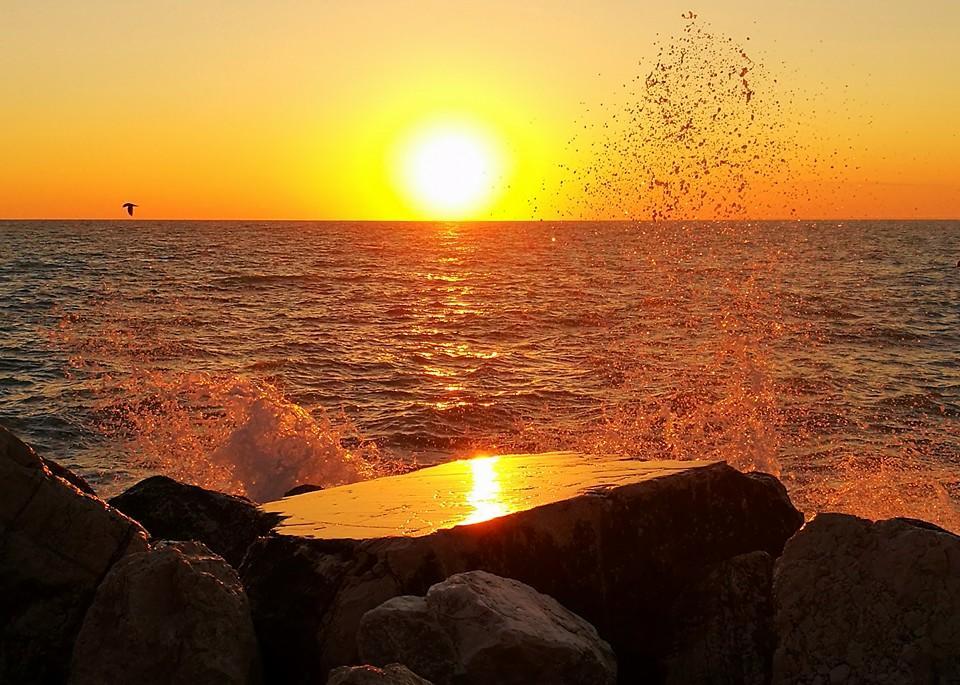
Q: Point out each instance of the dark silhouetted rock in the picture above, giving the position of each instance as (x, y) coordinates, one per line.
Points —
(63, 472)
(391, 674)
(865, 602)
(171, 510)
(477, 628)
(724, 628)
(174, 614)
(56, 544)
(301, 489)
(291, 583)
(615, 542)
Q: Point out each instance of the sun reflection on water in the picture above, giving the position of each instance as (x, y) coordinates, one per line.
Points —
(485, 494)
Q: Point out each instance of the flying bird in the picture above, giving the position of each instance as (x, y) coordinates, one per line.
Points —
(129, 207)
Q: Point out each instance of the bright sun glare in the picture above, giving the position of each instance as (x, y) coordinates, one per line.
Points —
(450, 171)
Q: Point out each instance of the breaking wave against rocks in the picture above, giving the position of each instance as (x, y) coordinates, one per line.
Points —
(235, 434)
(255, 356)
(820, 351)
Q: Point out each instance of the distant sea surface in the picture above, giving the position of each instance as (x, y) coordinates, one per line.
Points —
(255, 355)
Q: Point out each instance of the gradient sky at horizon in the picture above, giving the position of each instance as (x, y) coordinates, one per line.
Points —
(291, 110)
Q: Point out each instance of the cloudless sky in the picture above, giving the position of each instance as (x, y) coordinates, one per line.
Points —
(288, 109)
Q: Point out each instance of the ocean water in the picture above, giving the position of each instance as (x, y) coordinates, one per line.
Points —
(252, 356)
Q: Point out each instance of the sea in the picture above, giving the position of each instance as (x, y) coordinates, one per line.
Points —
(252, 356)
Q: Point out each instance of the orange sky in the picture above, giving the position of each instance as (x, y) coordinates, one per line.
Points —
(295, 110)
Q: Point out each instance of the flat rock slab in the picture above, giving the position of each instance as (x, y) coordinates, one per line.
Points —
(460, 493)
(615, 541)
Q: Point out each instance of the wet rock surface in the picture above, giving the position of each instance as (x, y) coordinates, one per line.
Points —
(476, 628)
(171, 510)
(56, 545)
(858, 601)
(391, 674)
(618, 556)
(174, 614)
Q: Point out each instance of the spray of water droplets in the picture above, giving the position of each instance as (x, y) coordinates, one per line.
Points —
(707, 133)
(234, 433)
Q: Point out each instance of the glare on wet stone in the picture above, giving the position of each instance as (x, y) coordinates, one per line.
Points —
(460, 493)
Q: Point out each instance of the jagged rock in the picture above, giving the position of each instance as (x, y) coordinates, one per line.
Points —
(56, 544)
(63, 472)
(477, 628)
(391, 674)
(858, 601)
(614, 544)
(171, 510)
(724, 628)
(301, 489)
(174, 614)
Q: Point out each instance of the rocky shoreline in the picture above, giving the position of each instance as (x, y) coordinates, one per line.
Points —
(687, 574)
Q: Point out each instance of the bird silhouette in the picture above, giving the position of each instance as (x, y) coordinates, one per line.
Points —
(129, 207)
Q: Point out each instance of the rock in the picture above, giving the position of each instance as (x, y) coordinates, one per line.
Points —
(391, 674)
(724, 628)
(611, 540)
(171, 510)
(477, 628)
(56, 544)
(301, 489)
(405, 629)
(858, 601)
(63, 472)
(291, 583)
(174, 614)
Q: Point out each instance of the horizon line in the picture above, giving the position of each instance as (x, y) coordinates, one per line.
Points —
(481, 221)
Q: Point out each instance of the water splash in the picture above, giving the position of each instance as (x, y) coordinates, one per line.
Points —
(708, 368)
(226, 432)
(234, 434)
(710, 392)
(708, 132)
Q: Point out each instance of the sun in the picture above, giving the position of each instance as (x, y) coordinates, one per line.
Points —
(450, 170)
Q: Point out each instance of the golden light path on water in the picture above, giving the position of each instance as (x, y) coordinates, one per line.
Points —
(770, 346)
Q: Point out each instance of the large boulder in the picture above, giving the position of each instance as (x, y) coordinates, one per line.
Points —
(477, 628)
(56, 545)
(406, 629)
(614, 541)
(865, 602)
(723, 628)
(391, 674)
(174, 614)
(171, 510)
